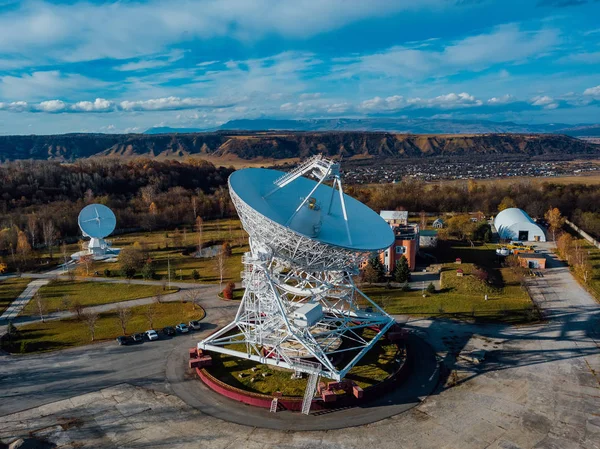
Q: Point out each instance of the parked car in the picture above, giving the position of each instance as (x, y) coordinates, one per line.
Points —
(182, 327)
(138, 337)
(151, 335)
(170, 331)
(123, 340)
(195, 325)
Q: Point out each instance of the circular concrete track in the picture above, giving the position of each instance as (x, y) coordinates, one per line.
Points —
(421, 382)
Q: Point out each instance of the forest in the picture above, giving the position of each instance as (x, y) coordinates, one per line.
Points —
(40, 200)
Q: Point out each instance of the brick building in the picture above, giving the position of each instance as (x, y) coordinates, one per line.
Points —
(406, 243)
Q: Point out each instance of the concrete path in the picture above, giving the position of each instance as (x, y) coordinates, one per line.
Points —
(18, 304)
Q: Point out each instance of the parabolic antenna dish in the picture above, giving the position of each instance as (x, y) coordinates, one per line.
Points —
(96, 221)
(362, 231)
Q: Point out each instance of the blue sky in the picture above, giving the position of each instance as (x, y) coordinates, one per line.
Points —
(72, 66)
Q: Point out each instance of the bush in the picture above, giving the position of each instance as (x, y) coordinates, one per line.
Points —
(148, 271)
(195, 275)
(228, 290)
(129, 273)
(431, 288)
(106, 272)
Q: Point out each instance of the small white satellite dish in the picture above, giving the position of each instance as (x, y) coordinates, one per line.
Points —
(97, 221)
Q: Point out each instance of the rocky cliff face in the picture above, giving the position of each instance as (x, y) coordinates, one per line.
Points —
(250, 146)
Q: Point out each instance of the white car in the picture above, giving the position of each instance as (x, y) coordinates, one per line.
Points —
(151, 335)
(182, 327)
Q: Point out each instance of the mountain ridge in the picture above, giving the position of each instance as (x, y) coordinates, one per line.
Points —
(249, 146)
(395, 125)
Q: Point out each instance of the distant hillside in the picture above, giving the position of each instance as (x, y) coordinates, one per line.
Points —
(248, 146)
(395, 125)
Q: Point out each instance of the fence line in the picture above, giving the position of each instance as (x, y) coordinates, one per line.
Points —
(584, 234)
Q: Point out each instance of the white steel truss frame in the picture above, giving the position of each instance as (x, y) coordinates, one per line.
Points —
(285, 270)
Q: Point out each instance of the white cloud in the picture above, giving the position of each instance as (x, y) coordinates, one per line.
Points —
(397, 102)
(541, 100)
(544, 100)
(46, 84)
(98, 105)
(51, 106)
(592, 91)
(168, 103)
(82, 31)
(504, 44)
(308, 96)
(15, 106)
(152, 63)
(504, 99)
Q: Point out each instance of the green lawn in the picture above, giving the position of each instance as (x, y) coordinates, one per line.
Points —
(464, 297)
(61, 334)
(10, 289)
(166, 248)
(90, 294)
(374, 367)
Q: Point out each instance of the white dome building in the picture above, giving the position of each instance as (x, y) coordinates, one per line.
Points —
(515, 224)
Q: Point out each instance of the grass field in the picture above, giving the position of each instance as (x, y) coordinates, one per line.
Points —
(10, 289)
(464, 297)
(90, 294)
(61, 334)
(374, 367)
(166, 248)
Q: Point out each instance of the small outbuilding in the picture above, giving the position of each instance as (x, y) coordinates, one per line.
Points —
(428, 238)
(438, 223)
(534, 261)
(516, 224)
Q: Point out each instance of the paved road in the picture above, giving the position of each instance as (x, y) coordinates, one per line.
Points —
(539, 387)
(29, 381)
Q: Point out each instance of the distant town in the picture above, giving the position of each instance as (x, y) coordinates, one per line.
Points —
(436, 170)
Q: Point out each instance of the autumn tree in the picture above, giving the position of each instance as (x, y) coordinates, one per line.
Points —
(49, 235)
(86, 260)
(199, 229)
(41, 306)
(91, 320)
(3, 267)
(124, 315)
(131, 259)
(150, 312)
(32, 228)
(506, 203)
(461, 227)
(77, 309)
(221, 264)
(555, 221)
(564, 246)
(23, 246)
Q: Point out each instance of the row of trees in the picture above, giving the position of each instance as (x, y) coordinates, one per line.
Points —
(576, 255)
(572, 199)
(374, 271)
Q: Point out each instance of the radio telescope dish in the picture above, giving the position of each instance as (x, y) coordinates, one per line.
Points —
(301, 309)
(96, 221)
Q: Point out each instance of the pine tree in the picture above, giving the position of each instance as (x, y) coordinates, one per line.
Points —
(402, 270)
(377, 268)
